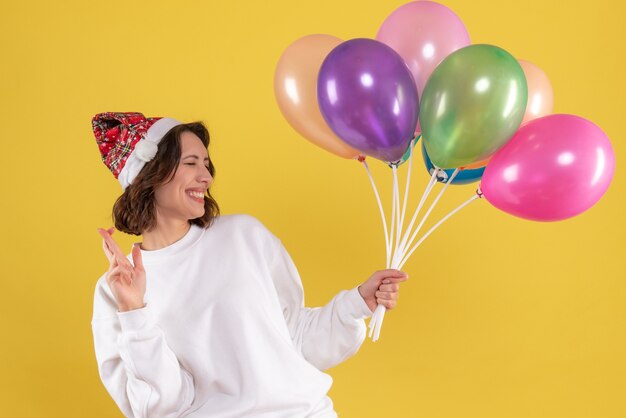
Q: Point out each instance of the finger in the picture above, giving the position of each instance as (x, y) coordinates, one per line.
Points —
(112, 264)
(116, 260)
(121, 270)
(137, 258)
(129, 277)
(110, 242)
(390, 295)
(113, 247)
(108, 253)
(395, 280)
(101, 231)
(391, 273)
(120, 273)
(393, 287)
(389, 304)
(124, 276)
(385, 295)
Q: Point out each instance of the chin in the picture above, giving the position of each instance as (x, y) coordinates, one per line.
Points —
(195, 215)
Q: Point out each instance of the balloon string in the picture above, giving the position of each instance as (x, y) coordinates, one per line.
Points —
(394, 198)
(379, 313)
(375, 317)
(429, 187)
(432, 206)
(397, 211)
(379, 323)
(380, 206)
(398, 204)
(458, 208)
(376, 321)
(406, 194)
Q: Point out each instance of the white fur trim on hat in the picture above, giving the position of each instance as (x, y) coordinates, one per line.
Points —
(145, 150)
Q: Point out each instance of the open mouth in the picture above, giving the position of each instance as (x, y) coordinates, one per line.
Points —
(197, 197)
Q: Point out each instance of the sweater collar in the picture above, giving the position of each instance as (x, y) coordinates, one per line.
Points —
(189, 239)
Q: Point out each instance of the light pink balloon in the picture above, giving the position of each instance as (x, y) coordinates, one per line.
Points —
(423, 33)
(553, 168)
(540, 96)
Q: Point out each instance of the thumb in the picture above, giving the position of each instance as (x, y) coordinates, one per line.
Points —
(137, 260)
(394, 273)
(388, 274)
(375, 280)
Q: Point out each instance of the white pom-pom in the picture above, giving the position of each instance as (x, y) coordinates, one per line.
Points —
(145, 150)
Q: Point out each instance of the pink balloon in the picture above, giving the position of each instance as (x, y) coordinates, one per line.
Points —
(423, 33)
(553, 168)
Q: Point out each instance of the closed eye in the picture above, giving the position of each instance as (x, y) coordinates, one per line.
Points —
(206, 166)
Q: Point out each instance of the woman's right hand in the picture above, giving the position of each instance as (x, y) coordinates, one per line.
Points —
(127, 281)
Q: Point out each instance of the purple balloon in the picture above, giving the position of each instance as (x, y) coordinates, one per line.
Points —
(553, 168)
(368, 97)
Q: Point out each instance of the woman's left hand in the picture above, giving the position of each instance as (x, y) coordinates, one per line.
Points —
(382, 288)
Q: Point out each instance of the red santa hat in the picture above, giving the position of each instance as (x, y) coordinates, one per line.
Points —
(128, 140)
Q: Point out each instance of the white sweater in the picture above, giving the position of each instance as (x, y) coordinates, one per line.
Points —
(224, 332)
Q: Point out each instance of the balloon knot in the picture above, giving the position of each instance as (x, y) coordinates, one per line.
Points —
(361, 158)
(479, 193)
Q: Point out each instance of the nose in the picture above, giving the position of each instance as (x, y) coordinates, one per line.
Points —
(205, 177)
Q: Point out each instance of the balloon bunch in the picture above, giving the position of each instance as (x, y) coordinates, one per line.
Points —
(481, 114)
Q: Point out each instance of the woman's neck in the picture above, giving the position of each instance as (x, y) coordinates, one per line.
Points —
(165, 233)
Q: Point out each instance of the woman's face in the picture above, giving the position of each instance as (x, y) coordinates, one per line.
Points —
(183, 196)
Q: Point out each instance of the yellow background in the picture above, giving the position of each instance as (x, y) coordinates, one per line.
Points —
(501, 317)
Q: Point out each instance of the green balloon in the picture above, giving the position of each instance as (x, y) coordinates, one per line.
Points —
(472, 105)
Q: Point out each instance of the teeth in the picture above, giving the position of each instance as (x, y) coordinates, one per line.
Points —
(198, 195)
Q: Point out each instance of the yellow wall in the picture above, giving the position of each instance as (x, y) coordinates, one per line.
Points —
(501, 317)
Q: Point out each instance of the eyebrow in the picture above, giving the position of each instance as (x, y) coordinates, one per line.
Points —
(195, 156)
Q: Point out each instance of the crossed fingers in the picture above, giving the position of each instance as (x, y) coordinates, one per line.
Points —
(119, 266)
(111, 249)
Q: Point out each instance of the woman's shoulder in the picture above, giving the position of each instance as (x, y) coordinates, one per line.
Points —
(236, 219)
(241, 220)
(244, 223)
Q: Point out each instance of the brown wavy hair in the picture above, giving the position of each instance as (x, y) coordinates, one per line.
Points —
(134, 212)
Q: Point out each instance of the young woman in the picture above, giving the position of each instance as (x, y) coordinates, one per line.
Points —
(206, 316)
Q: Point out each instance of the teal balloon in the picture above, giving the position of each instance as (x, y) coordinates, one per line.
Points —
(407, 153)
(472, 105)
(465, 176)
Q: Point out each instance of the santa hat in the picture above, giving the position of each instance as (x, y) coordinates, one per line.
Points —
(128, 140)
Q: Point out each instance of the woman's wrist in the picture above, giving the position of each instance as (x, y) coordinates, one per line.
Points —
(126, 308)
(371, 303)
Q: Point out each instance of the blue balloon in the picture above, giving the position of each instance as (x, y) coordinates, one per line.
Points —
(469, 175)
(465, 176)
(407, 153)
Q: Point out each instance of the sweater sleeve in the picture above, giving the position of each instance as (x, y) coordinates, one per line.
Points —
(326, 336)
(138, 369)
